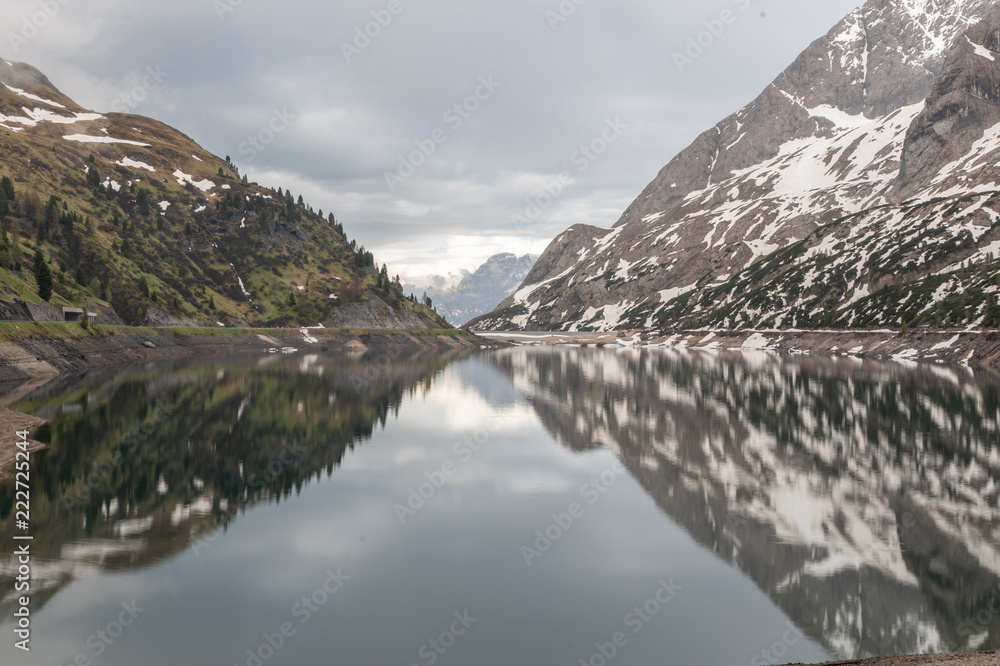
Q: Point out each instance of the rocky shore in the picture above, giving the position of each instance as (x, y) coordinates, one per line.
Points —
(33, 355)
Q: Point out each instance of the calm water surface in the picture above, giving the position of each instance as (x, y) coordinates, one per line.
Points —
(529, 506)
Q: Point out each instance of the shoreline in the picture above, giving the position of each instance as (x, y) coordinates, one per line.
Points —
(33, 354)
(953, 659)
(10, 422)
(977, 349)
(37, 352)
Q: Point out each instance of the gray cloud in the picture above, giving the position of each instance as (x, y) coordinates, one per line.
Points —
(355, 119)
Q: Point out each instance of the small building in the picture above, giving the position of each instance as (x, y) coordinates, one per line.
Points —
(75, 315)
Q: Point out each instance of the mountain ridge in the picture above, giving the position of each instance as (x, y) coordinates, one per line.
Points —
(140, 224)
(481, 290)
(802, 156)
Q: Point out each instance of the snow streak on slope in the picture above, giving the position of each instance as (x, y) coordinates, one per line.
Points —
(862, 500)
(821, 143)
(739, 219)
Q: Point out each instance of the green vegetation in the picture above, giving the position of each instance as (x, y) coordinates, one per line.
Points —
(43, 276)
(182, 240)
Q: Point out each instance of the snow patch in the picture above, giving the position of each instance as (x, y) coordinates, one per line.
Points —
(83, 138)
(134, 164)
(980, 50)
(18, 91)
(668, 295)
(184, 178)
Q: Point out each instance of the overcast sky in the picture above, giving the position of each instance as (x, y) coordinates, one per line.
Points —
(548, 82)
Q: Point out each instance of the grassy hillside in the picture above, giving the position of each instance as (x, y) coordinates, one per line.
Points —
(136, 220)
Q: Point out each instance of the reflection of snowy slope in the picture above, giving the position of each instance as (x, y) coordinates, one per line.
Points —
(863, 502)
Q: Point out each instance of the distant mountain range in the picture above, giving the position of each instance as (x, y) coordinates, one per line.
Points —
(137, 222)
(481, 291)
(860, 189)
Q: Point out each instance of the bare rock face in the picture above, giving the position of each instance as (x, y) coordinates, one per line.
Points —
(964, 104)
(159, 318)
(479, 292)
(823, 142)
(375, 315)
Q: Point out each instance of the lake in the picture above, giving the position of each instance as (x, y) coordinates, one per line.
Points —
(523, 506)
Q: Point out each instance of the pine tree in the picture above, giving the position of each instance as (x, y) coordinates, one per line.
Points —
(43, 276)
(8, 188)
(142, 198)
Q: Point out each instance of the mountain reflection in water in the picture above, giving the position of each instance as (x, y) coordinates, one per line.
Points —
(862, 498)
(146, 463)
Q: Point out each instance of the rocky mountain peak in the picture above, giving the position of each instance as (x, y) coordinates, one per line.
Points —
(963, 106)
(881, 57)
(23, 85)
(480, 291)
(826, 141)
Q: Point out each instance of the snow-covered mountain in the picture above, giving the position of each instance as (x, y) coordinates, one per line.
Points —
(857, 170)
(862, 499)
(481, 291)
